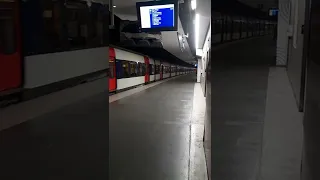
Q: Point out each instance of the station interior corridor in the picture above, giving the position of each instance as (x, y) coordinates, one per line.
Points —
(157, 132)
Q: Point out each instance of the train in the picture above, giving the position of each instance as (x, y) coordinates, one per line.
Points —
(43, 52)
(129, 69)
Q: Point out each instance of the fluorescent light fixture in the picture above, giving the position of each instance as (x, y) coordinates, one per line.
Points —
(197, 29)
(193, 4)
(199, 52)
(114, 6)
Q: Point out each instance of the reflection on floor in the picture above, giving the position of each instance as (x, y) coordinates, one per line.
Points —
(153, 134)
(157, 133)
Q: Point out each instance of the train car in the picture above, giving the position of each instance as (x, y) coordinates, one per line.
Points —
(131, 69)
(152, 70)
(10, 47)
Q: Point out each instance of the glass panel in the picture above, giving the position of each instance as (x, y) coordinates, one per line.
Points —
(7, 31)
(125, 69)
(143, 69)
(151, 69)
(133, 69)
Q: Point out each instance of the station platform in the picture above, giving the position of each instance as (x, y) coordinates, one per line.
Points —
(155, 132)
(256, 126)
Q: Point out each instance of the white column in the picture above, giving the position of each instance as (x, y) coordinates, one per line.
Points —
(282, 35)
(199, 70)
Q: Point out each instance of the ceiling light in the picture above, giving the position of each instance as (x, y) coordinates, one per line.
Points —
(114, 6)
(197, 29)
(199, 52)
(193, 4)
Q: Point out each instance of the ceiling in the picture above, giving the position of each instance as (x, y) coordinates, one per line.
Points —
(126, 10)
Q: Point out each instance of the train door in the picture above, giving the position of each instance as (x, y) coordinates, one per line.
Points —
(10, 47)
(112, 71)
(147, 75)
(161, 72)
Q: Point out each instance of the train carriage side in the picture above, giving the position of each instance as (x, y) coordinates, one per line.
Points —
(157, 70)
(166, 70)
(172, 70)
(131, 69)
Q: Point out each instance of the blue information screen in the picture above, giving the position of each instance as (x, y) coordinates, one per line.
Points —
(158, 16)
(273, 12)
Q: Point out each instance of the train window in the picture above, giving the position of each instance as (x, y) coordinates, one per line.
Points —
(125, 69)
(134, 69)
(151, 69)
(142, 69)
(7, 31)
(168, 69)
(157, 69)
(139, 69)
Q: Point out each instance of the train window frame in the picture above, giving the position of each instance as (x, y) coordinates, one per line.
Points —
(54, 37)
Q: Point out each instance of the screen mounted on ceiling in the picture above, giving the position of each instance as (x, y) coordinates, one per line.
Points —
(273, 12)
(158, 16)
